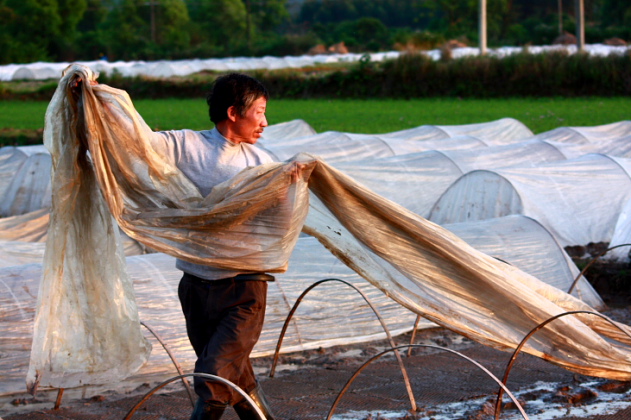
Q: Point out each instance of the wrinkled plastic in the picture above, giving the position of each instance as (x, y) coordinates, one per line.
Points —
(576, 208)
(252, 222)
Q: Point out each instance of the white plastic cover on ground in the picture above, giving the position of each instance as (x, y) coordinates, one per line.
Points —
(252, 222)
(417, 180)
(334, 146)
(621, 237)
(502, 131)
(166, 68)
(332, 313)
(331, 146)
(402, 145)
(288, 130)
(29, 227)
(29, 188)
(584, 135)
(577, 200)
(33, 227)
(11, 158)
(619, 147)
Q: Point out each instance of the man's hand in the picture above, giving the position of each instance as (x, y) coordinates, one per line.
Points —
(77, 82)
(296, 171)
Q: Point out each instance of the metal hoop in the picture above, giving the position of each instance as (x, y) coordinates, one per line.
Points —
(249, 399)
(175, 363)
(350, 381)
(375, 311)
(527, 337)
(569, 292)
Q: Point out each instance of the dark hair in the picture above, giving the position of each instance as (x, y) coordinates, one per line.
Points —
(234, 89)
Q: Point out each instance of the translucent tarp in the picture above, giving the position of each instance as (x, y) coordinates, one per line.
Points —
(29, 188)
(526, 244)
(420, 265)
(29, 227)
(24, 179)
(619, 147)
(577, 200)
(288, 130)
(621, 237)
(334, 146)
(502, 131)
(417, 180)
(169, 68)
(331, 313)
(583, 135)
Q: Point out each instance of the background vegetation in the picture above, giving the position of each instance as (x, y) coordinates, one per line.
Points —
(68, 30)
(412, 75)
(22, 122)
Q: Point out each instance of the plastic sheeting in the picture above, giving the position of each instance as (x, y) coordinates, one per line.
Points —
(583, 135)
(258, 215)
(620, 250)
(577, 200)
(165, 68)
(334, 147)
(288, 130)
(526, 244)
(329, 314)
(417, 180)
(503, 131)
(24, 179)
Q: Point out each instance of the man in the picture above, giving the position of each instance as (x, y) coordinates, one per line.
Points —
(224, 309)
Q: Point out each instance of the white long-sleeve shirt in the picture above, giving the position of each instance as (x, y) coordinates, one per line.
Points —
(207, 158)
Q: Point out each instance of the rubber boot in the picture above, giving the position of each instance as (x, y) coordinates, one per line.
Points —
(246, 412)
(207, 410)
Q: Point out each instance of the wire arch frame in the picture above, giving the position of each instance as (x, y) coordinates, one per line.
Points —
(584, 270)
(511, 362)
(406, 378)
(215, 378)
(173, 359)
(395, 349)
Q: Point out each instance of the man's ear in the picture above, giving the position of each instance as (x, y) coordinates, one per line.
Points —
(232, 113)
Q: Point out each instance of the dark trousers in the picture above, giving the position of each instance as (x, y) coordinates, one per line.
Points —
(224, 319)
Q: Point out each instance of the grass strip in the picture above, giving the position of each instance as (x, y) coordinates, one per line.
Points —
(19, 118)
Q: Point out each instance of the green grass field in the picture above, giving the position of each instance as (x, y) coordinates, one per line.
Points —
(365, 116)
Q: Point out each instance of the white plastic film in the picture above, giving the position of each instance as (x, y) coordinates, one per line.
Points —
(252, 222)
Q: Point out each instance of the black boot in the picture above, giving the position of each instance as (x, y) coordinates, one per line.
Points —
(247, 412)
(207, 410)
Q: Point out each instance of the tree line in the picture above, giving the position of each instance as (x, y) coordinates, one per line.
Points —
(67, 30)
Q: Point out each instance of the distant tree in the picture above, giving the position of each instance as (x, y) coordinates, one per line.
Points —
(221, 24)
(456, 18)
(28, 30)
(171, 20)
(268, 15)
(395, 13)
(146, 29)
(369, 33)
(327, 11)
(90, 43)
(126, 34)
(70, 12)
(615, 13)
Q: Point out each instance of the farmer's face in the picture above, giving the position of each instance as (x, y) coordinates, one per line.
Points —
(249, 127)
